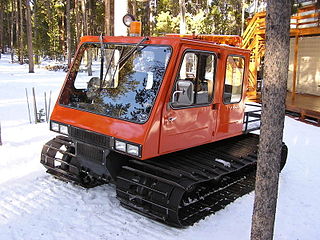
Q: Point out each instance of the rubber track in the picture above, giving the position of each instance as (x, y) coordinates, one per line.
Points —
(56, 156)
(181, 188)
(178, 189)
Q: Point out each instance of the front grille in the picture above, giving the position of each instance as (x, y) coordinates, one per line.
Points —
(88, 152)
(90, 137)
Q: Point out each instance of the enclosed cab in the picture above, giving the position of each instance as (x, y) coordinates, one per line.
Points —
(168, 94)
(127, 99)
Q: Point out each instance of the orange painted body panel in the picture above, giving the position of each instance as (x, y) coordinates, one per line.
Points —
(233, 40)
(199, 125)
(194, 126)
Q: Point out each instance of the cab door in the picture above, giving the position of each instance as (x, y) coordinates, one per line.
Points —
(189, 119)
(231, 110)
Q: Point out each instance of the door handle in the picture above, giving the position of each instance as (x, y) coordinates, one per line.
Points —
(171, 119)
(215, 106)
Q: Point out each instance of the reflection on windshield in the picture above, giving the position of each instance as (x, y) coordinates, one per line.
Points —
(128, 88)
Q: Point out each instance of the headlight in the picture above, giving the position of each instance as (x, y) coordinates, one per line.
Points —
(64, 129)
(55, 127)
(127, 147)
(60, 128)
(133, 150)
(121, 146)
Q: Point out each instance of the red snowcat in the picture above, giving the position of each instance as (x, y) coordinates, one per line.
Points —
(162, 118)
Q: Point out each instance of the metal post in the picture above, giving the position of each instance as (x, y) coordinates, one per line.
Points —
(35, 106)
(28, 106)
(45, 106)
(49, 106)
(295, 67)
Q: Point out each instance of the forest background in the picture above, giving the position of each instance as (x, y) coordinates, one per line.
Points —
(56, 26)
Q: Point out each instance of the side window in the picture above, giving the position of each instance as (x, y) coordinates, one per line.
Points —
(204, 85)
(199, 69)
(188, 70)
(88, 68)
(233, 79)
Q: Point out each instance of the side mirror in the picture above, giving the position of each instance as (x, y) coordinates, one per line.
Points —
(184, 94)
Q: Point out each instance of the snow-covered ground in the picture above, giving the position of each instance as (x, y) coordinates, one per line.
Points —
(34, 205)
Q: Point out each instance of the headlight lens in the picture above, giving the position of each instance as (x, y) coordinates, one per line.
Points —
(133, 150)
(54, 126)
(64, 129)
(121, 146)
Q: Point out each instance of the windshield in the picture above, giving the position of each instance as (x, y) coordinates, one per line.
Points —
(119, 81)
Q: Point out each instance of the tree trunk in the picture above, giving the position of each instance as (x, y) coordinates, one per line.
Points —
(242, 16)
(109, 17)
(107, 21)
(146, 19)
(134, 8)
(90, 22)
(1, 28)
(35, 30)
(68, 32)
(29, 37)
(62, 31)
(20, 6)
(16, 23)
(112, 17)
(182, 5)
(7, 35)
(84, 18)
(85, 32)
(76, 7)
(273, 113)
(11, 31)
(153, 13)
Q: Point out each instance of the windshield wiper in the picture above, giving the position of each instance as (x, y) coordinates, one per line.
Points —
(123, 59)
(131, 51)
(107, 70)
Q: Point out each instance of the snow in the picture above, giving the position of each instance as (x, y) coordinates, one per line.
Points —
(225, 163)
(253, 121)
(34, 205)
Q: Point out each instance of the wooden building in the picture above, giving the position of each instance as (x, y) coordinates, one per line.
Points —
(304, 63)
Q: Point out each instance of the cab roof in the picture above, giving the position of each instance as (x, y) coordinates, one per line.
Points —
(222, 41)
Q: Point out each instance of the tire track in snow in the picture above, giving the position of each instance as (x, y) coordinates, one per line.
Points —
(27, 196)
(44, 201)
